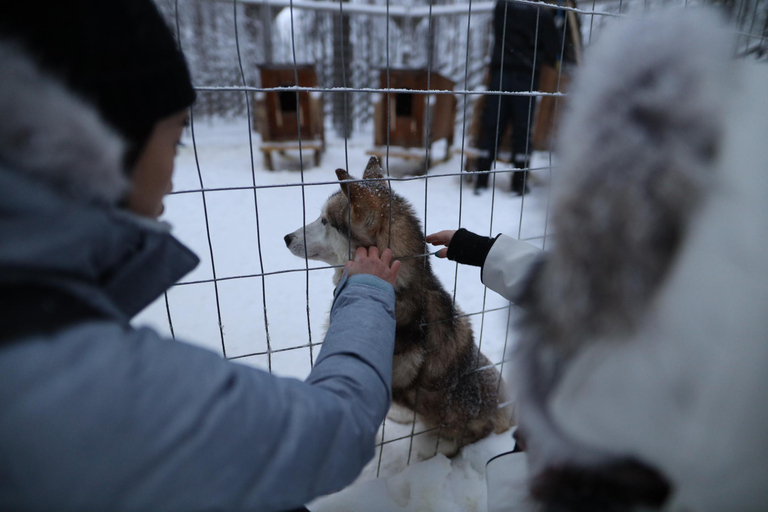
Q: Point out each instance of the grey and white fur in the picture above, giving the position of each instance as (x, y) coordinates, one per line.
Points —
(438, 371)
(50, 134)
(637, 155)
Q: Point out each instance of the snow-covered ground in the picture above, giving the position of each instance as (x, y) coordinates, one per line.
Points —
(233, 316)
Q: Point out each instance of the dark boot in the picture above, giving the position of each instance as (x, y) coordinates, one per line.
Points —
(481, 180)
(519, 185)
(520, 178)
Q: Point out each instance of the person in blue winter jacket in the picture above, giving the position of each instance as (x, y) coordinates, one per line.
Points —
(96, 414)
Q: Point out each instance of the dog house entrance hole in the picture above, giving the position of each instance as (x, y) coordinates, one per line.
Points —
(404, 104)
(288, 101)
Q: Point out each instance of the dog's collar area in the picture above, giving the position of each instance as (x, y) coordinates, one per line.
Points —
(417, 255)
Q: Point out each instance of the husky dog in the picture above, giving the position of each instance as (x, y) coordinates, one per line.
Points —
(438, 371)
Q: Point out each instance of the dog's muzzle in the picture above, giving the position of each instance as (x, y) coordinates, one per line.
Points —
(288, 239)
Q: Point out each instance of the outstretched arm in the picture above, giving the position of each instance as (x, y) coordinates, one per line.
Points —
(504, 260)
(462, 246)
(110, 419)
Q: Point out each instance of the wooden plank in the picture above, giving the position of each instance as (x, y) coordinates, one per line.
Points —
(281, 146)
(394, 152)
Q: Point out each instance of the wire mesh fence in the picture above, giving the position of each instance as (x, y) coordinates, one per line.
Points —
(250, 299)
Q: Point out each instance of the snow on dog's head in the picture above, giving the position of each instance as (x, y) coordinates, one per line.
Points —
(363, 213)
(350, 218)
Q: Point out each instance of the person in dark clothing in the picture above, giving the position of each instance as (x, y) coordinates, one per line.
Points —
(525, 37)
(96, 414)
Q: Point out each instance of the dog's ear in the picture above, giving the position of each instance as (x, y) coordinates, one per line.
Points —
(344, 175)
(356, 190)
(363, 198)
(373, 169)
(375, 178)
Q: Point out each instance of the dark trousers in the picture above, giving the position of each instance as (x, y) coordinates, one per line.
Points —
(499, 111)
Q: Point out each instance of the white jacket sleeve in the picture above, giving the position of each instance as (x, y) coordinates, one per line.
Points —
(507, 265)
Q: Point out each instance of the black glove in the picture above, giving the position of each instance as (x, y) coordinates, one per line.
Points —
(468, 248)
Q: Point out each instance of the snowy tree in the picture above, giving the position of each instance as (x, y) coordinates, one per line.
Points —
(350, 50)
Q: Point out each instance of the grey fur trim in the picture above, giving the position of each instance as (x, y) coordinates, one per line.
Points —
(55, 137)
(638, 152)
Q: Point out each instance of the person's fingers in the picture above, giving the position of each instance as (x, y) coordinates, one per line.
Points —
(442, 253)
(394, 271)
(441, 237)
(373, 252)
(436, 238)
(361, 252)
(386, 256)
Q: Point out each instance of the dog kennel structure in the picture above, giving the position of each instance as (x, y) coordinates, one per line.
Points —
(414, 120)
(289, 119)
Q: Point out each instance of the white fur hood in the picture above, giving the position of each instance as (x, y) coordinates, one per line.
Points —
(658, 284)
(686, 390)
(61, 177)
(49, 134)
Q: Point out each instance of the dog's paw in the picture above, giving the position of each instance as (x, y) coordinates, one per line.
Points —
(426, 446)
(400, 414)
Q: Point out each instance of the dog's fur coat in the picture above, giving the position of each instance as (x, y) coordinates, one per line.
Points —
(438, 371)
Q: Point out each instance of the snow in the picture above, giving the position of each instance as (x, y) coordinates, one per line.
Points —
(233, 315)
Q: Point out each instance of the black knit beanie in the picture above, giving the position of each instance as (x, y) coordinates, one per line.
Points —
(118, 54)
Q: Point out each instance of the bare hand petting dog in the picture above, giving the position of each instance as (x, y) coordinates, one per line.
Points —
(441, 238)
(367, 261)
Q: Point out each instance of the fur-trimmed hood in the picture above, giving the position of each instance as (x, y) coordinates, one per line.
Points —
(641, 362)
(56, 138)
(61, 178)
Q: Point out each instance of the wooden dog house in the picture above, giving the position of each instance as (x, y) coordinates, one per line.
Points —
(283, 117)
(409, 114)
(550, 109)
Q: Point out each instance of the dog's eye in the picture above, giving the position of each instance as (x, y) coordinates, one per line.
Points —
(324, 221)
